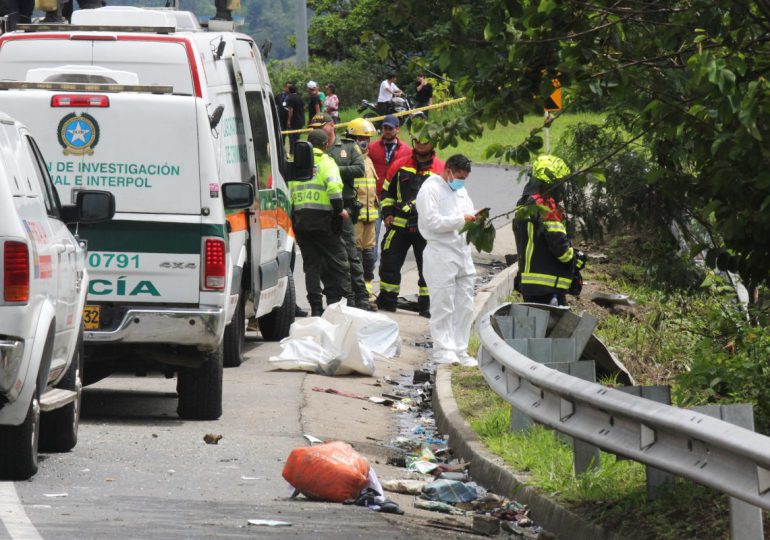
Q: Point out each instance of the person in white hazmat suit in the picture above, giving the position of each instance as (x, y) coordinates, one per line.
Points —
(443, 207)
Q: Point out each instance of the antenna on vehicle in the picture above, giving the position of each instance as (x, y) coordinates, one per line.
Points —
(220, 50)
(265, 48)
(216, 116)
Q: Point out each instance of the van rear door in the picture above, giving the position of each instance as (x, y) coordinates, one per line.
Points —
(143, 148)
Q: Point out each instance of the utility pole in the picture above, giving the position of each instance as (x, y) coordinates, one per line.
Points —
(301, 30)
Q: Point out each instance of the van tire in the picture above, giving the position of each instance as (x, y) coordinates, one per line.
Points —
(275, 325)
(200, 389)
(59, 428)
(235, 334)
(18, 445)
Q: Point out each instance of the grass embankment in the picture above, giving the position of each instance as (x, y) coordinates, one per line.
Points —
(512, 134)
(655, 340)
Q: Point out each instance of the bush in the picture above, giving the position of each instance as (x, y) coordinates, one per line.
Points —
(353, 79)
(730, 362)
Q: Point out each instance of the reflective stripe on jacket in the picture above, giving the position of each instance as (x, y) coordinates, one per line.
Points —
(366, 189)
(544, 248)
(315, 200)
(400, 191)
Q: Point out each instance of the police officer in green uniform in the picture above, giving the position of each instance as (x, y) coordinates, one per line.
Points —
(316, 216)
(350, 160)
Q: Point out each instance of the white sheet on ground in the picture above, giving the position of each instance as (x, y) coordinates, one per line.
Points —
(344, 341)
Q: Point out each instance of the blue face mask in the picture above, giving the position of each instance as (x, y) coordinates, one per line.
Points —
(456, 184)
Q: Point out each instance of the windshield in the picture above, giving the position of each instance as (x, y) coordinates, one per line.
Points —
(154, 62)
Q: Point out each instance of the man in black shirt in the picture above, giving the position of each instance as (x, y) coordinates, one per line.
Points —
(314, 101)
(280, 103)
(423, 93)
(295, 115)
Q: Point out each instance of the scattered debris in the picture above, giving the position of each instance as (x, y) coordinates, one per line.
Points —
(269, 523)
(327, 472)
(612, 299)
(345, 340)
(437, 506)
(451, 524)
(250, 478)
(487, 525)
(381, 401)
(420, 377)
(408, 487)
(598, 257)
(52, 495)
(340, 393)
(211, 438)
(312, 440)
(450, 491)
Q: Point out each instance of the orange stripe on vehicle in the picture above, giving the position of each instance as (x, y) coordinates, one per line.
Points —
(267, 219)
(238, 222)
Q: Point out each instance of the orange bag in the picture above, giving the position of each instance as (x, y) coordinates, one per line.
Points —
(327, 472)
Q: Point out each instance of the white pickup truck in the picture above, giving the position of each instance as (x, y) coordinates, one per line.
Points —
(180, 125)
(42, 293)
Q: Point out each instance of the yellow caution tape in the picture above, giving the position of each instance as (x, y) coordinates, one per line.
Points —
(379, 118)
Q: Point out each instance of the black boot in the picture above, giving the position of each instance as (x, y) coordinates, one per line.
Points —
(366, 305)
(423, 303)
(299, 312)
(316, 309)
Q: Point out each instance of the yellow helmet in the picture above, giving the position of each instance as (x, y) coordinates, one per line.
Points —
(548, 169)
(361, 127)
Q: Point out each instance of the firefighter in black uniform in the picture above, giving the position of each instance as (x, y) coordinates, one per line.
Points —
(399, 214)
(548, 264)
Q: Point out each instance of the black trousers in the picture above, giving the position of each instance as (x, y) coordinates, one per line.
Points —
(324, 259)
(395, 246)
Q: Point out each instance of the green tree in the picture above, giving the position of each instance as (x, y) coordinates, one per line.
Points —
(686, 79)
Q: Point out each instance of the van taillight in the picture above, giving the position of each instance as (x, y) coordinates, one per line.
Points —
(15, 272)
(214, 264)
(79, 100)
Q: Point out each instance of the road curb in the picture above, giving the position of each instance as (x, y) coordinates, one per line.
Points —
(488, 469)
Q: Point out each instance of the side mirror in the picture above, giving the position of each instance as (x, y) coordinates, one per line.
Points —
(91, 206)
(237, 195)
(302, 167)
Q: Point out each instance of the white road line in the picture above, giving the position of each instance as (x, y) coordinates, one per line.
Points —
(12, 515)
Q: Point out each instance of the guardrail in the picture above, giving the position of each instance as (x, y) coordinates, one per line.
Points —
(718, 454)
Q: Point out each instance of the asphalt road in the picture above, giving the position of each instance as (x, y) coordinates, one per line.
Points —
(139, 471)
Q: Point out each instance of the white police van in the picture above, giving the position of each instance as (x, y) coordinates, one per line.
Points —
(180, 125)
(42, 294)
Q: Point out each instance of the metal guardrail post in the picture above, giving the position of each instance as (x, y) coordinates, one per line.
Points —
(686, 443)
(525, 329)
(745, 518)
(656, 479)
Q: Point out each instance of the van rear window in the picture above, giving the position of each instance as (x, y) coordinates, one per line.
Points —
(154, 62)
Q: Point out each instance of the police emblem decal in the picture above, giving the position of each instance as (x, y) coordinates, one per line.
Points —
(78, 134)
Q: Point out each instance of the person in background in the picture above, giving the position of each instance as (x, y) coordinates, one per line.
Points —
(399, 214)
(332, 103)
(317, 210)
(362, 130)
(295, 114)
(384, 152)
(423, 93)
(350, 160)
(547, 263)
(280, 105)
(314, 101)
(443, 207)
(388, 90)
